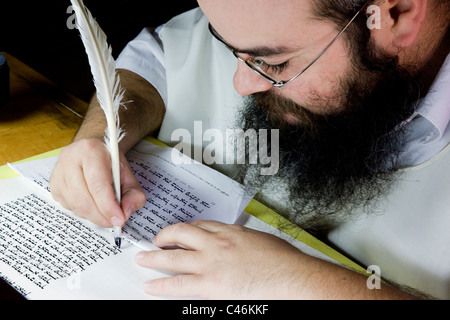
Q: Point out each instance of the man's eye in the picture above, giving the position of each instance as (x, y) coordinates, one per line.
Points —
(277, 69)
(269, 68)
(258, 62)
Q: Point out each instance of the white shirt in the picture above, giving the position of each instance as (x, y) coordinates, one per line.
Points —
(145, 56)
(429, 126)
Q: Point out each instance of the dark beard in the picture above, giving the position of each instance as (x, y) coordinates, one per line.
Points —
(331, 165)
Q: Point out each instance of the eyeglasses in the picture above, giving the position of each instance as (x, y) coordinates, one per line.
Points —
(263, 69)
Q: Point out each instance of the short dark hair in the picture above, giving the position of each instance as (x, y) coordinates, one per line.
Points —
(340, 12)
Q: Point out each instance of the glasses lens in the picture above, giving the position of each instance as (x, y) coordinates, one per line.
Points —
(280, 71)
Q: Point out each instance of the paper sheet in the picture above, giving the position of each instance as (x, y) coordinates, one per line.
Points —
(175, 193)
(47, 252)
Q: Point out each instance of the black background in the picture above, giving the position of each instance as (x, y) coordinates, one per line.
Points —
(36, 32)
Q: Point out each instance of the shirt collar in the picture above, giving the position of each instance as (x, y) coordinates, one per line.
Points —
(435, 106)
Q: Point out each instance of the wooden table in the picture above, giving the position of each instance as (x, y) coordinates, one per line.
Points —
(39, 116)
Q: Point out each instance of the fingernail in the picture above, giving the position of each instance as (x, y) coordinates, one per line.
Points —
(147, 286)
(140, 256)
(116, 221)
(129, 211)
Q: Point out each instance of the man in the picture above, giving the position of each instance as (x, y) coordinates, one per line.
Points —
(372, 101)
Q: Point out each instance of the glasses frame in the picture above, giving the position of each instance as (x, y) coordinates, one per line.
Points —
(250, 62)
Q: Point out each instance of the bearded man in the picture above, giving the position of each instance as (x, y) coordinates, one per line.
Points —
(363, 121)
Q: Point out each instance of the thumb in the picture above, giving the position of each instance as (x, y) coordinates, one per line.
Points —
(133, 197)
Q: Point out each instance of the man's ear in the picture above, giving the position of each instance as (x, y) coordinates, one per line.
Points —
(401, 21)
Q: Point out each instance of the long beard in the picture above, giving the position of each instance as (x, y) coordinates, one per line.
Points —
(331, 165)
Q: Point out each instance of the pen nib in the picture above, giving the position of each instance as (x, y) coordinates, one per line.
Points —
(118, 241)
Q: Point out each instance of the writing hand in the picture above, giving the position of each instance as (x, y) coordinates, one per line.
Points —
(82, 182)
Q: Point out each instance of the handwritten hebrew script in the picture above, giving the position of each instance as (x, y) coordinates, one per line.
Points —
(178, 194)
(44, 244)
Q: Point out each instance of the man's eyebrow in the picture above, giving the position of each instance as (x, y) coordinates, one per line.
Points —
(263, 51)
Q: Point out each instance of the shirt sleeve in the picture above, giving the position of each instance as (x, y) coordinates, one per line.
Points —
(144, 56)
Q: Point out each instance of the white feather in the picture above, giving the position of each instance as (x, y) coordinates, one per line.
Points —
(106, 80)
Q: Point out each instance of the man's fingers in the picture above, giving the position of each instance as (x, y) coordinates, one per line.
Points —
(81, 201)
(82, 182)
(58, 188)
(183, 235)
(208, 225)
(174, 260)
(177, 286)
(132, 200)
(133, 197)
(98, 176)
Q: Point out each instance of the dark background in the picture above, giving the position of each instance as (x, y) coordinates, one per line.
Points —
(36, 33)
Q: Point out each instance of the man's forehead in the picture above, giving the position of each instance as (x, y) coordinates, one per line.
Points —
(259, 20)
(261, 51)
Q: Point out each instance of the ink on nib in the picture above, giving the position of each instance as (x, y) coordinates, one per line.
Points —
(118, 241)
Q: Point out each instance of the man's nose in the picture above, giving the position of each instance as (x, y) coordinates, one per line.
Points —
(246, 81)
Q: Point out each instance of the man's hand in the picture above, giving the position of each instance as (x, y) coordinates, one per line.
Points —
(82, 182)
(219, 261)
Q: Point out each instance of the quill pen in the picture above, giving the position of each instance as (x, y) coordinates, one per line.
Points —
(107, 84)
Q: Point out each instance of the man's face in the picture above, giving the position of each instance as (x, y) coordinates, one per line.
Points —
(339, 121)
(289, 29)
